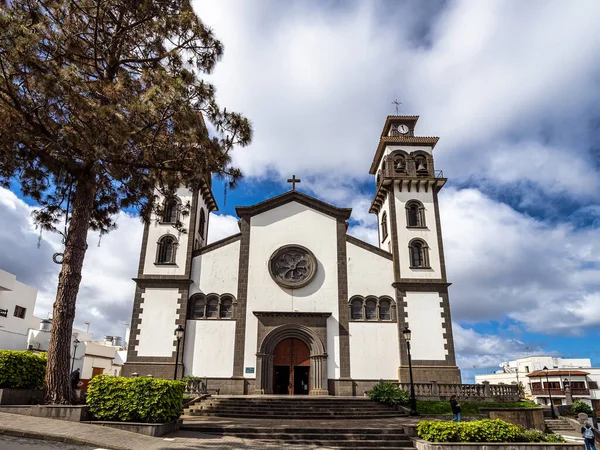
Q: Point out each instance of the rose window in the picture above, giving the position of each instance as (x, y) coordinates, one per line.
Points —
(292, 266)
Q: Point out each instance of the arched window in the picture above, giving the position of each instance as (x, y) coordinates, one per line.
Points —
(419, 254)
(384, 310)
(202, 223)
(399, 164)
(212, 306)
(371, 310)
(415, 214)
(384, 229)
(171, 210)
(167, 246)
(198, 306)
(226, 309)
(421, 165)
(357, 309)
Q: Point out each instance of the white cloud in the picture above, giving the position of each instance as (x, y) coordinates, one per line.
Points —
(221, 226)
(509, 87)
(106, 291)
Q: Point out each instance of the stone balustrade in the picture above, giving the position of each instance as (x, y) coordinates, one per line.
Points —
(465, 392)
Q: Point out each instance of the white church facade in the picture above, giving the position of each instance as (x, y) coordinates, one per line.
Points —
(292, 304)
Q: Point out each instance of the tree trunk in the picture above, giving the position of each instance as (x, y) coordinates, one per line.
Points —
(58, 383)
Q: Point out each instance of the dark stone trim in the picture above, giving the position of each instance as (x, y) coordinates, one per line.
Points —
(344, 313)
(402, 322)
(217, 244)
(311, 266)
(294, 196)
(191, 234)
(239, 312)
(208, 197)
(445, 304)
(143, 248)
(439, 234)
(394, 233)
(371, 248)
(421, 286)
(290, 314)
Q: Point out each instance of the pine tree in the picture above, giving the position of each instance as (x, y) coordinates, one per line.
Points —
(102, 107)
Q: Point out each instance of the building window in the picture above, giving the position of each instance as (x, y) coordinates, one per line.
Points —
(357, 309)
(384, 310)
(20, 312)
(419, 254)
(371, 310)
(212, 307)
(415, 214)
(552, 385)
(226, 310)
(198, 306)
(171, 210)
(167, 246)
(384, 228)
(202, 223)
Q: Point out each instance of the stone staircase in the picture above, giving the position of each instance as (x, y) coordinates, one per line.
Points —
(292, 407)
(559, 426)
(309, 422)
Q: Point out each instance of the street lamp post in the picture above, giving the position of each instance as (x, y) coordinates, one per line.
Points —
(413, 401)
(179, 334)
(549, 393)
(75, 344)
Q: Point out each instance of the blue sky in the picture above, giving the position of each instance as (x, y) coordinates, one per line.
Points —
(512, 89)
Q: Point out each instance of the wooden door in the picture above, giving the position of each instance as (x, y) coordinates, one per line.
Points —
(291, 353)
(97, 371)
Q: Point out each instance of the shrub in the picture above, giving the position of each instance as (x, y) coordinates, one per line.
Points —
(139, 399)
(480, 431)
(22, 369)
(388, 393)
(582, 407)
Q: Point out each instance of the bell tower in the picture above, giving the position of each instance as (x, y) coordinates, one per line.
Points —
(406, 205)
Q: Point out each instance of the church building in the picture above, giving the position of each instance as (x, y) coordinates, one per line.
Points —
(293, 304)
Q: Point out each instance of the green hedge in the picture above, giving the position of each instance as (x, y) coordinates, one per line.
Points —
(388, 393)
(481, 431)
(22, 369)
(140, 399)
(468, 408)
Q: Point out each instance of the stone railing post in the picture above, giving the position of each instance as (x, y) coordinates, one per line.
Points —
(486, 389)
(435, 390)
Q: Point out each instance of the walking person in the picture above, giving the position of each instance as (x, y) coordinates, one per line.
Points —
(588, 436)
(456, 409)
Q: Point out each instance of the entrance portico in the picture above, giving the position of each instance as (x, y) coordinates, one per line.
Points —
(287, 350)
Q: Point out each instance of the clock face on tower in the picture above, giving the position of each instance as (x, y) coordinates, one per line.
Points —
(403, 129)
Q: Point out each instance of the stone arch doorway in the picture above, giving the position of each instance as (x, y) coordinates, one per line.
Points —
(300, 337)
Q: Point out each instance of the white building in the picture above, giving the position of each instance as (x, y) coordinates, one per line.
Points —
(17, 301)
(566, 376)
(90, 357)
(293, 304)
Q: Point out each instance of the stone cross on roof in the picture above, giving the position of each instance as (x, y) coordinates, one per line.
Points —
(294, 180)
(397, 103)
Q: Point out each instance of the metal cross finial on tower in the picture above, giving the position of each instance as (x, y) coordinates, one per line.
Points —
(397, 103)
(294, 180)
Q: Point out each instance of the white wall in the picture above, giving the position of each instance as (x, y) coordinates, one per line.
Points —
(429, 234)
(14, 330)
(157, 328)
(293, 223)
(217, 271)
(425, 322)
(374, 351)
(368, 273)
(209, 348)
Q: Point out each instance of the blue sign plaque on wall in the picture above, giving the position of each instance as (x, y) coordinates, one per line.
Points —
(249, 369)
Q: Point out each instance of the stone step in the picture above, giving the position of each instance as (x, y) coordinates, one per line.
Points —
(230, 429)
(283, 410)
(298, 416)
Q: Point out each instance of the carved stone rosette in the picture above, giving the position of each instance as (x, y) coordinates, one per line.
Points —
(292, 266)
